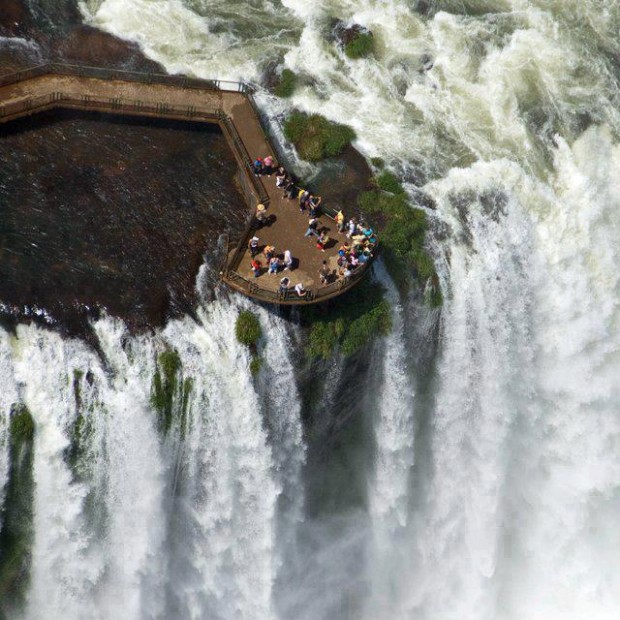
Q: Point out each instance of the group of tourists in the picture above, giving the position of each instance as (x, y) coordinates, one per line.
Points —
(359, 248)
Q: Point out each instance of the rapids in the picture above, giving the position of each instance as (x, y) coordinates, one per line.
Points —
(475, 478)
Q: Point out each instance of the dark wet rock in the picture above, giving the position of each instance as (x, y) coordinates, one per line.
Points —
(105, 212)
(341, 181)
(87, 45)
(15, 19)
(422, 199)
(426, 63)
(270, 76)
(494, 204)
(343, 33)
(56, 31)
(423, 7)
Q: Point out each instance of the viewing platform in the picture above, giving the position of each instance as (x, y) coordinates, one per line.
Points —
(231, 106)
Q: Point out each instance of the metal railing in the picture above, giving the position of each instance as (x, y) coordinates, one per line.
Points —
(313, 295)
(251, 186)
(36, 103)
(144, 77)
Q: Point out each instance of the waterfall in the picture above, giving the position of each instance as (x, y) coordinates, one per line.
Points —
(135, 521)
(496, 496)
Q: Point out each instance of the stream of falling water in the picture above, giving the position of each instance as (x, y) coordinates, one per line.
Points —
(514, 133)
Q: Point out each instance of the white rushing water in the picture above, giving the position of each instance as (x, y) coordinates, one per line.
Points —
(509, 510)
(138, 525)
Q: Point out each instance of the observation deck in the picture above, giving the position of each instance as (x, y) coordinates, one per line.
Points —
(231, 106)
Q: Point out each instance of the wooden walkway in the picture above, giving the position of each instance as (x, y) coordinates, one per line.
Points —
(231, 106)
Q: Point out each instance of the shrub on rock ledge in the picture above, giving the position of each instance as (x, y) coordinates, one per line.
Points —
(359, 46)
(247, 328)
(286, 84)
(316, 138)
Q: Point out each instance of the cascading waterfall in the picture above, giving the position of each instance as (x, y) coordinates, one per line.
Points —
(505, 113)
(135, 521)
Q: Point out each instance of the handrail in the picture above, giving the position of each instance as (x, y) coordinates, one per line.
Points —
(123, 74)
(314, 295)
(244, 155)
(252, 190)
(115, 104)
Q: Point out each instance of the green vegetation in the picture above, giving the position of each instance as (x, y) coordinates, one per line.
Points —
(21, 429)
(286, 84)
(360, 46)
(377, 162)
(165, 388)
(433, 295)
(248, 328)
(402, 231)
(316, 138)
(255, 365)
(249, 332)
(350, 323)
(77, 378)
(16, 534)
(388, 183)
(188, 386)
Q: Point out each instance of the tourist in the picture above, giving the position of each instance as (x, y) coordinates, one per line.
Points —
(313, 204)
(324, 273)
(268, 164)
(258, 166)
(345, 271)
(269, 251)
(302, 197)
(280, 177)
(352, 225)
(256, 267)
(261, 216)
(288, 260)
(313, 224)
(322, 241)
(283, 288)
(274, 264)
(300, 290)
(340, 221)
(289, 189)
(253, 246)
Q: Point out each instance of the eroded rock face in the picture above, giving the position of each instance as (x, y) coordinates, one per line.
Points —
(53, 31)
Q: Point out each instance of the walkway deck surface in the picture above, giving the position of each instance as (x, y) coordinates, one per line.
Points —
(287, 226)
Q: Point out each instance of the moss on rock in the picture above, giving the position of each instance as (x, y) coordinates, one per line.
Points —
(360, 46)
(348, 323)
(21, 427)
(16, 533)
(285, 86)
(166, 387)
(316, 138)
(402, 232)
(248, 329)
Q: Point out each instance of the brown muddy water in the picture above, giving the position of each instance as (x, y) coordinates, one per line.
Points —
(109, 212)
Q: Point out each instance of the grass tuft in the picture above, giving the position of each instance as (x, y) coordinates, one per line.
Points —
(388, 182)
